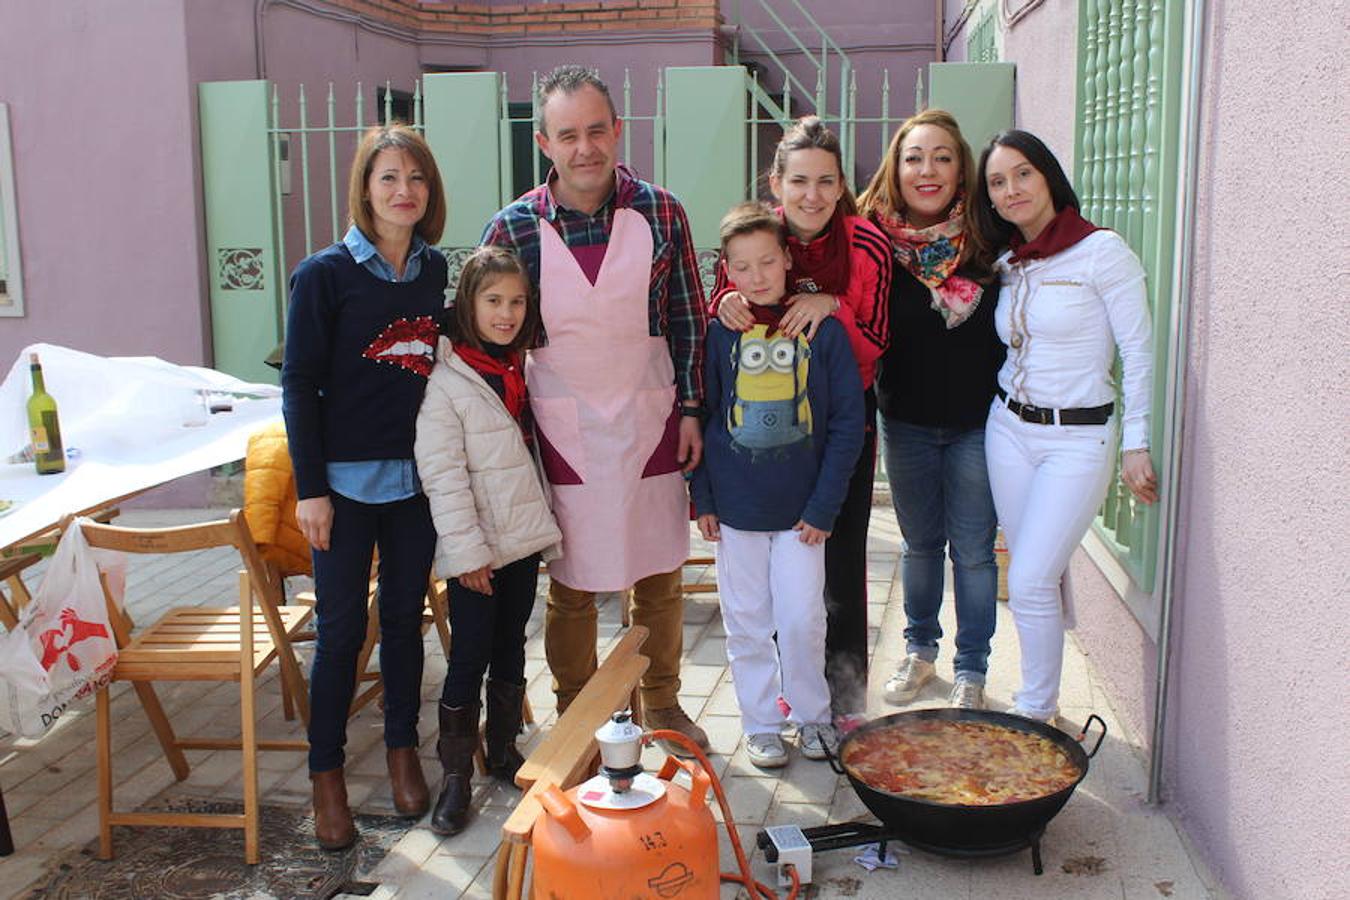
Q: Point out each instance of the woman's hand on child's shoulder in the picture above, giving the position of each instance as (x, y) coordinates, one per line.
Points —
(708, 527)
(806, 312)
(809, 534)
(733, 311)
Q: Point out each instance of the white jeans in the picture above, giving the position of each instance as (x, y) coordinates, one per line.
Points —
(1047, 481)
(771, 582)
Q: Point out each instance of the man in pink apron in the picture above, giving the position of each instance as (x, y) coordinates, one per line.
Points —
(616, 389)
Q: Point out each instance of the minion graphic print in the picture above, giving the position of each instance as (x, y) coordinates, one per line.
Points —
(770, 410)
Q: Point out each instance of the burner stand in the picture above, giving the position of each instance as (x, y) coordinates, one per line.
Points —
(857, 834)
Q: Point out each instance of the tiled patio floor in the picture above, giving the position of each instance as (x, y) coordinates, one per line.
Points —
(1134, 850)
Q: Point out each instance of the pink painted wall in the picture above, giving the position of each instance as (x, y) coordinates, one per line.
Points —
(104, 188)
(1254, 765)
(1261, 634)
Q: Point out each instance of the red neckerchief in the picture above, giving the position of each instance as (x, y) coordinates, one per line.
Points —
(768, 315)
(1067, 228)
(826, 260)
(508, 369)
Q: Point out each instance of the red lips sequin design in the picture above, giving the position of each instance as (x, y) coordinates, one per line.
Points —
(410, 343)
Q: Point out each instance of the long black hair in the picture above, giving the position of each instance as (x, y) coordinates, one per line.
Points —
(994, 229)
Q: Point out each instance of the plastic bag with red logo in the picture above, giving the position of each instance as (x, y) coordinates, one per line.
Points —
(63, 648)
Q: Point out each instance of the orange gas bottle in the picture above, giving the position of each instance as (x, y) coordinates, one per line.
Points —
(625, 835)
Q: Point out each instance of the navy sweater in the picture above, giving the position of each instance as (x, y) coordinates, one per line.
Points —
(358, 352)
(785, 426)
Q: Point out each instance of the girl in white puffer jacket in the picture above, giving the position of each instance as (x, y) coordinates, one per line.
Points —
(492, 518)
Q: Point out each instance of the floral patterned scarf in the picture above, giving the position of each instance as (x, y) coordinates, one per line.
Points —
(932, 255)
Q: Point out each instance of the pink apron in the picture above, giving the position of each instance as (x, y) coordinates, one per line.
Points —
(603, 397)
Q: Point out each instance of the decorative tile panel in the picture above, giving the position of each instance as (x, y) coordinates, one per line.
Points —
(240, 268)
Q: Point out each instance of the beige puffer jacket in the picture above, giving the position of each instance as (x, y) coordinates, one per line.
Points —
(487, 499)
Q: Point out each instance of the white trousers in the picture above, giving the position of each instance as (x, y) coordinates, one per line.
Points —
(1048, 482)
(771, 582)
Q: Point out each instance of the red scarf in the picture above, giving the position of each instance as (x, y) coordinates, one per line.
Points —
(1064, 230)
(768, 315)
(508, 369)
(822, 265)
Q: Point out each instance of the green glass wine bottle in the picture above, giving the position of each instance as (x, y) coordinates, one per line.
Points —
(48, 452)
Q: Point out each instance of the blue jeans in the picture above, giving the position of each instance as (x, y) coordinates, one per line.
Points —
(407, 540)
(940, 490)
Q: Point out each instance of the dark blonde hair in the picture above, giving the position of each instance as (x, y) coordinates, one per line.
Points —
(883, 196)
(749, 218)
(395, 136)
(809, 133)
(486, 265)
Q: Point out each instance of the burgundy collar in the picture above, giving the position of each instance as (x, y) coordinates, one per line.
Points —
(1067, 228)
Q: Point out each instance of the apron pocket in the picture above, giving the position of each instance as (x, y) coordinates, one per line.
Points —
(654, 406)
(560, 448)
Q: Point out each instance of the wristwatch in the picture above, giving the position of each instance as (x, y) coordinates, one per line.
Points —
(694, 412)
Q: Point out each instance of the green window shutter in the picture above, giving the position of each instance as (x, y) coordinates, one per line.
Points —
(1129, 69)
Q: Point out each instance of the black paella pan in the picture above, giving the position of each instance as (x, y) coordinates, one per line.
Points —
(963, 830)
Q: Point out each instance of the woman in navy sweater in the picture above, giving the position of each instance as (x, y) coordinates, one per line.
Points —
(360, 341)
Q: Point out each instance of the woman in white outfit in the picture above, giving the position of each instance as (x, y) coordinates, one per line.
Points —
(1072, 295)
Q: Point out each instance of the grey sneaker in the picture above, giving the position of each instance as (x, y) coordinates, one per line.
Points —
(814, 738)
(966, 694)
(912, 674)
(766, 750)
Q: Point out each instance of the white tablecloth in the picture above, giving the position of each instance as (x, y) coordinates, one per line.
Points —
(127, 418)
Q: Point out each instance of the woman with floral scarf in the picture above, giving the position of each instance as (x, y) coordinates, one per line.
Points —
(934, 386)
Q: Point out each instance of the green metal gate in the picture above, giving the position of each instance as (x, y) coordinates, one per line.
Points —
(274, 172)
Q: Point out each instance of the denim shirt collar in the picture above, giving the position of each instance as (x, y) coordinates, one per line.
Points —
(363, 251)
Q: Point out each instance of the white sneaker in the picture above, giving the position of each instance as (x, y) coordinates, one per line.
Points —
(766, 750)
(912, 674)
(814, 738)
(1050, 719)
(966, 694)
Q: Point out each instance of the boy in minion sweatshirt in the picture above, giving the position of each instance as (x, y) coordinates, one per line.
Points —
(784, 429)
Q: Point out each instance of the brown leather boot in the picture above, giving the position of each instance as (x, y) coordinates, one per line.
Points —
(505, 703)
(459, 738)
(333, 825)
(411, 796)
(673, 718)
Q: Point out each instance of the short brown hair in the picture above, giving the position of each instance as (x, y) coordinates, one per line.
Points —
(749, 218)
(395, 136)
(568, 80)
(883, 197)
(809, 133)
(481, 269)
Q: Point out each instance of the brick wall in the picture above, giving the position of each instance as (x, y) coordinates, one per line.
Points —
(541, 17)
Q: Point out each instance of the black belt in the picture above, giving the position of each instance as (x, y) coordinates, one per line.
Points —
(1040, 415)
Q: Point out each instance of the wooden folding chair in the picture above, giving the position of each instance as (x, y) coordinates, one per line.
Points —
(199, 644)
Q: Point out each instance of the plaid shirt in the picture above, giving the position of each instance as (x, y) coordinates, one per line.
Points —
(675, 306)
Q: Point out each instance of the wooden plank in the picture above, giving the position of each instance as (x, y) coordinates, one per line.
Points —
(626, 648)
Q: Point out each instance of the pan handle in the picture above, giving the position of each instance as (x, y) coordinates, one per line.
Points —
(832, 759)
(1101, 737)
